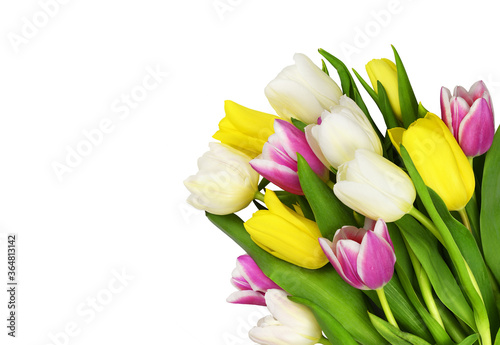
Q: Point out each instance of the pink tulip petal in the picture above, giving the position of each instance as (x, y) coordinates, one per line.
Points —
(273, 151)
(280, 175)
(478, 89)
(375, 261)
(381, 230)
(445, 108)
(459, 108)
(348, 233)
(294, 141)
(477, 129)
(240, 283)
(247, 297)
(327, 247)
(369, 224)
(347, 254)
(253, 274)
(461, 92)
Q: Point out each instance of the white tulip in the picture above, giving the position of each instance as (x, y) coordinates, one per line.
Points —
(343, 130)
(225, 182)
(375, 187)
(302, 91)
(290, 324)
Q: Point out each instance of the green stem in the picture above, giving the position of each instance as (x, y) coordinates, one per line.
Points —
(426, 222)
(324, 341)
(386, 308)
(425, 286)
(465, 218)
(330, 184)
(259, 196)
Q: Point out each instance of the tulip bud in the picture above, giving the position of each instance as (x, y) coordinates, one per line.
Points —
(342, 131)
(225, 182)
(286, 234)
(251, 282)
(290, 324)
(302, 91)
(385, 71)
(469, 117)
(278, 162)
(438, 158)
(245, 129)
(374, 187)
(364, 258)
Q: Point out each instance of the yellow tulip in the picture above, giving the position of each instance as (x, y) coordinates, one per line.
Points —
(385, 71)
(245, 129)
(438, 158)
(286, 234)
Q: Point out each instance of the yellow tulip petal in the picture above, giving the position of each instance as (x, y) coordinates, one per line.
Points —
(440, 161)
(396, 136)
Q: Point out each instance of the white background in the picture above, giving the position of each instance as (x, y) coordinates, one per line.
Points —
(122, 208)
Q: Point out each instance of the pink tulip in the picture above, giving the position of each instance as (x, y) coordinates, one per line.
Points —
(364, 258)
(278, 162)
(469, 116)
(251, 283)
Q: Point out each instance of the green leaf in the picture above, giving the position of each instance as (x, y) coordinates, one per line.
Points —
(330, 213)
(425, 247)
(421, 110)
(480, 312)
(323, 287)
(490, 201)
(404, 261)
(334, 331)
(471, 339)
(471, 253)
(349, 87)
(407, 100)
(381, 100)
(439, 334)
(393, 334)
(323, 67)
(263, 183)
(385, 107)
(305, 207)
(299, 124)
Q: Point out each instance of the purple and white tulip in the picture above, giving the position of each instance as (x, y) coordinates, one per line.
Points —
(364, 258)
(278, 162)
(250, 281)
(469, 116)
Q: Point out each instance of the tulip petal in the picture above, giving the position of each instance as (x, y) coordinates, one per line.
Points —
(478, 89)
(249, 270)
(445, 108)
(375, 261)
(477, 129)
(328, 249)
(280, 175)
(461, 92)
(371, 202)
(294, 141)
(247, 297)
(291, 99)
(326, 90)
(459, 107)
(311, 132)
(381, 230)
(277, 335)
(274, 151)
(239, 281)
(347, 254)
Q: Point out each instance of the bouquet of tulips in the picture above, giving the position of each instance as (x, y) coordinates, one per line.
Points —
(360, 235)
